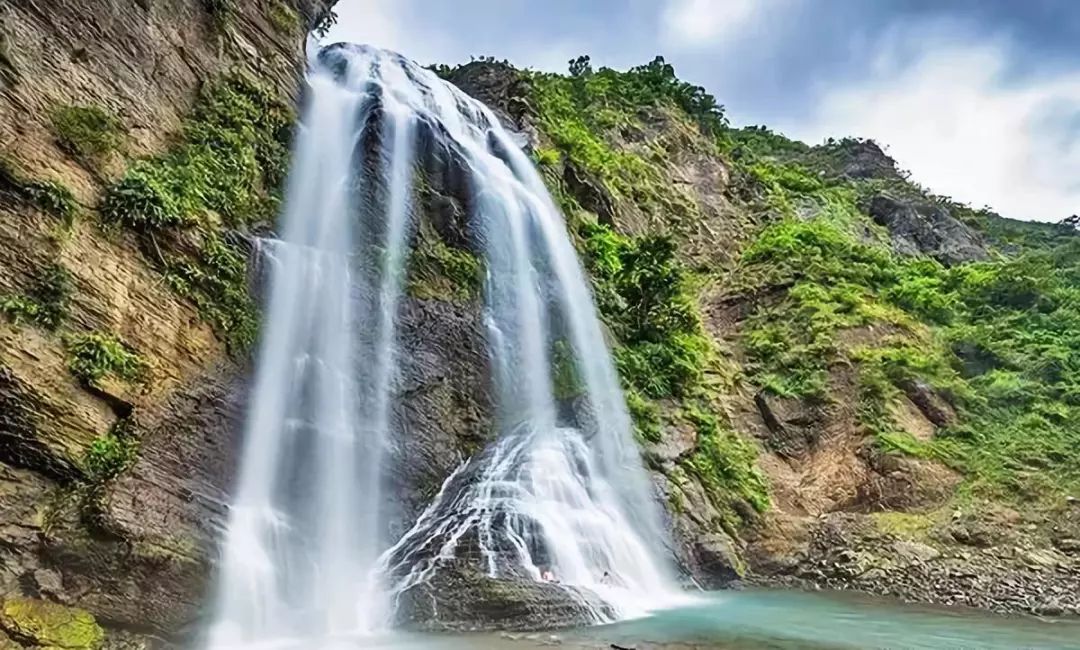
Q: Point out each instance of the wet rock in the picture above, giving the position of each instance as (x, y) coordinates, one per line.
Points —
(461, 597)
(921, 228)
(716, 561)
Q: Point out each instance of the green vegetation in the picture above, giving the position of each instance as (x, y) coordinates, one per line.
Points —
(51, 625)
(828, 301)
(643, 293)
(441, 272)
(996, 339)
(284, 17)
(46, 301)
(216, 280)
(602, 124)
(588, 114)
(49, 196)
(87, 132)
(725, 463)
(565, 378)
(227, 170)
(95, 356)
(110, 454)
(233, 152)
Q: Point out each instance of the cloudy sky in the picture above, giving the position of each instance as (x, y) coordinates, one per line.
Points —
(980, 99)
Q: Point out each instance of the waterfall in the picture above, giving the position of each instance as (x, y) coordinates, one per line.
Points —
(561, 490)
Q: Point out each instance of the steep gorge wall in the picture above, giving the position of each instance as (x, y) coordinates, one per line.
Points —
(104, 366)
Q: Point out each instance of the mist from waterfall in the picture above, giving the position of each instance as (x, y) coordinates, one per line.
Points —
(561, 489)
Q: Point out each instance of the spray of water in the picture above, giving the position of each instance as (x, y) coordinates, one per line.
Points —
(562, 489)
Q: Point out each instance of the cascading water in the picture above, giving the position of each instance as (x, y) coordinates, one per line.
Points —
(304, 527)
(562, 488)
(556, 493)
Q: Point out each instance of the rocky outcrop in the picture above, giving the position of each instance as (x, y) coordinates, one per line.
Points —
(461, 598)
(917, 227)
(1000, 566)
(114, 483)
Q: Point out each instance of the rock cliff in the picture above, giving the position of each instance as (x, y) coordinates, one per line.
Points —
(119, 397)
(837, 378)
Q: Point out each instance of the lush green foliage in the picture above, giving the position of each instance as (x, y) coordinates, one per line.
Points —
(228, 167)
(725, 463)
(46, 301)
(217, 281)
(642, 292)
(234, 148)
(999, 339)
(642, 288)
(110, 454)
(95, 356)
(584, 114)
(87, 132)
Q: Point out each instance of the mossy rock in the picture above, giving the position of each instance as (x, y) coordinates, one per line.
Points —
(50, 625)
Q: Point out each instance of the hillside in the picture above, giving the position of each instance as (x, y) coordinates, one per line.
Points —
(838, 379)
(844, 380)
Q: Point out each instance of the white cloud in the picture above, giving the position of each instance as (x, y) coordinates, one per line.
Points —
(389, 24)
(400, 25)
(700, 23)
(949, 116)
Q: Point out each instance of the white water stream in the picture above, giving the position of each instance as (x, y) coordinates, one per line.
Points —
(304, 557)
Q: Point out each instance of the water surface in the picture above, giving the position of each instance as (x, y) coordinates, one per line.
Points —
(758, 619)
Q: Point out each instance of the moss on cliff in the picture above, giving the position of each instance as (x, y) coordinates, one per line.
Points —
(225, 172)
(50, 625)
(46, 300)
(438, 271)
(87, 132)
(47, 195)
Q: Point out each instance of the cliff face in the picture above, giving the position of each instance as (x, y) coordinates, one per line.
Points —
(117, 394)
(837, 378)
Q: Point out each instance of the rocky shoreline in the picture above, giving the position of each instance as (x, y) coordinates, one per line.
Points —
(998, 567)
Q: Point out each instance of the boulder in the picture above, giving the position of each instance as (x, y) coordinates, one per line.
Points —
(924, 228)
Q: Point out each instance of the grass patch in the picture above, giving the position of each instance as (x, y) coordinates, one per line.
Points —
(87, 132)
(47, 299)
(95, 356)
(283, 17)
(907, 525)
